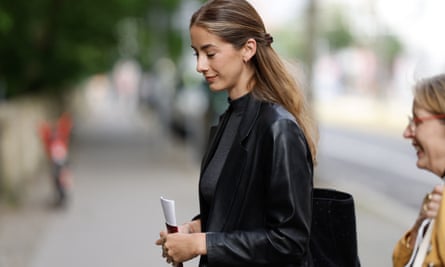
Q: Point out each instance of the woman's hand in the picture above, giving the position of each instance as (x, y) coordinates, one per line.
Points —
(184, 245)
(180, 247)
(431, 203)
(190, 227)
(428, 210)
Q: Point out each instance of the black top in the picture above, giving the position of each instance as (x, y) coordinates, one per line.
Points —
(229, 126)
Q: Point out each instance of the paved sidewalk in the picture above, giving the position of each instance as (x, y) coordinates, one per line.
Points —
(21, 228)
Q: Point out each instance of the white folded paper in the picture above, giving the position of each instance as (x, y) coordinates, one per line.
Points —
(168, 207)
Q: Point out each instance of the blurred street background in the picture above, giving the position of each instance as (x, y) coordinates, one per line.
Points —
(125, 73)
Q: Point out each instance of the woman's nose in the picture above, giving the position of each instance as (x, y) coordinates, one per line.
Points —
(408, 132)
(201, 65)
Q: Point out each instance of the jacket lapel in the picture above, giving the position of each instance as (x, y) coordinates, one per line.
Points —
(214, 135)
(230, 183)
(249, 118)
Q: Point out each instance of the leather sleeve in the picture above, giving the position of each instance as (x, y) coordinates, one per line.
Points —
(288, 209)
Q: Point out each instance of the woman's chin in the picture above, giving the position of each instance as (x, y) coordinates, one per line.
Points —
(422, 165)
(215, 88)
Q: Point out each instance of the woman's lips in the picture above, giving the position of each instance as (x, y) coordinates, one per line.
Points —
(418, 149)
(210, 78)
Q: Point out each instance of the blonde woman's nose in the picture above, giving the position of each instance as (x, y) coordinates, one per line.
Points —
(408, 132)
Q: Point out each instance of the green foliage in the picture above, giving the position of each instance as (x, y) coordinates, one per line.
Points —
(337, 32)
(290, 44)
(50, 44)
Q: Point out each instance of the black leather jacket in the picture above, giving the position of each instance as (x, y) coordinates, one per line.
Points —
(262, 209)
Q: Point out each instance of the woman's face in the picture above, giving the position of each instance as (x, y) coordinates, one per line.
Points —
(427, 135)
(222, 65)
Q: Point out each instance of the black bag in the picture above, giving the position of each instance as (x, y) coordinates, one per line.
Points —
(333, 235)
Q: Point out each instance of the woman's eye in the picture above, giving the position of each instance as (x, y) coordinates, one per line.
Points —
(211, 55)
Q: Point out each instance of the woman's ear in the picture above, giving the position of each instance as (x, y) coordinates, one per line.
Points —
(249, 49)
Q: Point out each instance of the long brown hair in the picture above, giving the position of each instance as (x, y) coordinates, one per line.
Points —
(236, 21)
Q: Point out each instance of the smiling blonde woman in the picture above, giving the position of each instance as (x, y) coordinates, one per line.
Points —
(426, 130)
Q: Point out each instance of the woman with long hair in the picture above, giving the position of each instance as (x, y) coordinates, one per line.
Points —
(256, 181)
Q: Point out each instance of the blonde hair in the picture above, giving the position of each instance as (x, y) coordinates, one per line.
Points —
(429, 93)
(236, 21)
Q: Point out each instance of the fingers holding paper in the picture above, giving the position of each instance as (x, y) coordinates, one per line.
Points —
(181, 247)
(161, 240)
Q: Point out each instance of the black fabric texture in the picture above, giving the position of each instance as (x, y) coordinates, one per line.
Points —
(333, 233)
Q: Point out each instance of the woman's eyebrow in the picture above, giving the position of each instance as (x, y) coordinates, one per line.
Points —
(203, 47)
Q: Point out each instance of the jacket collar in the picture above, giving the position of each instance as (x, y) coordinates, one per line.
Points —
(249, 118)
(251, 114)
